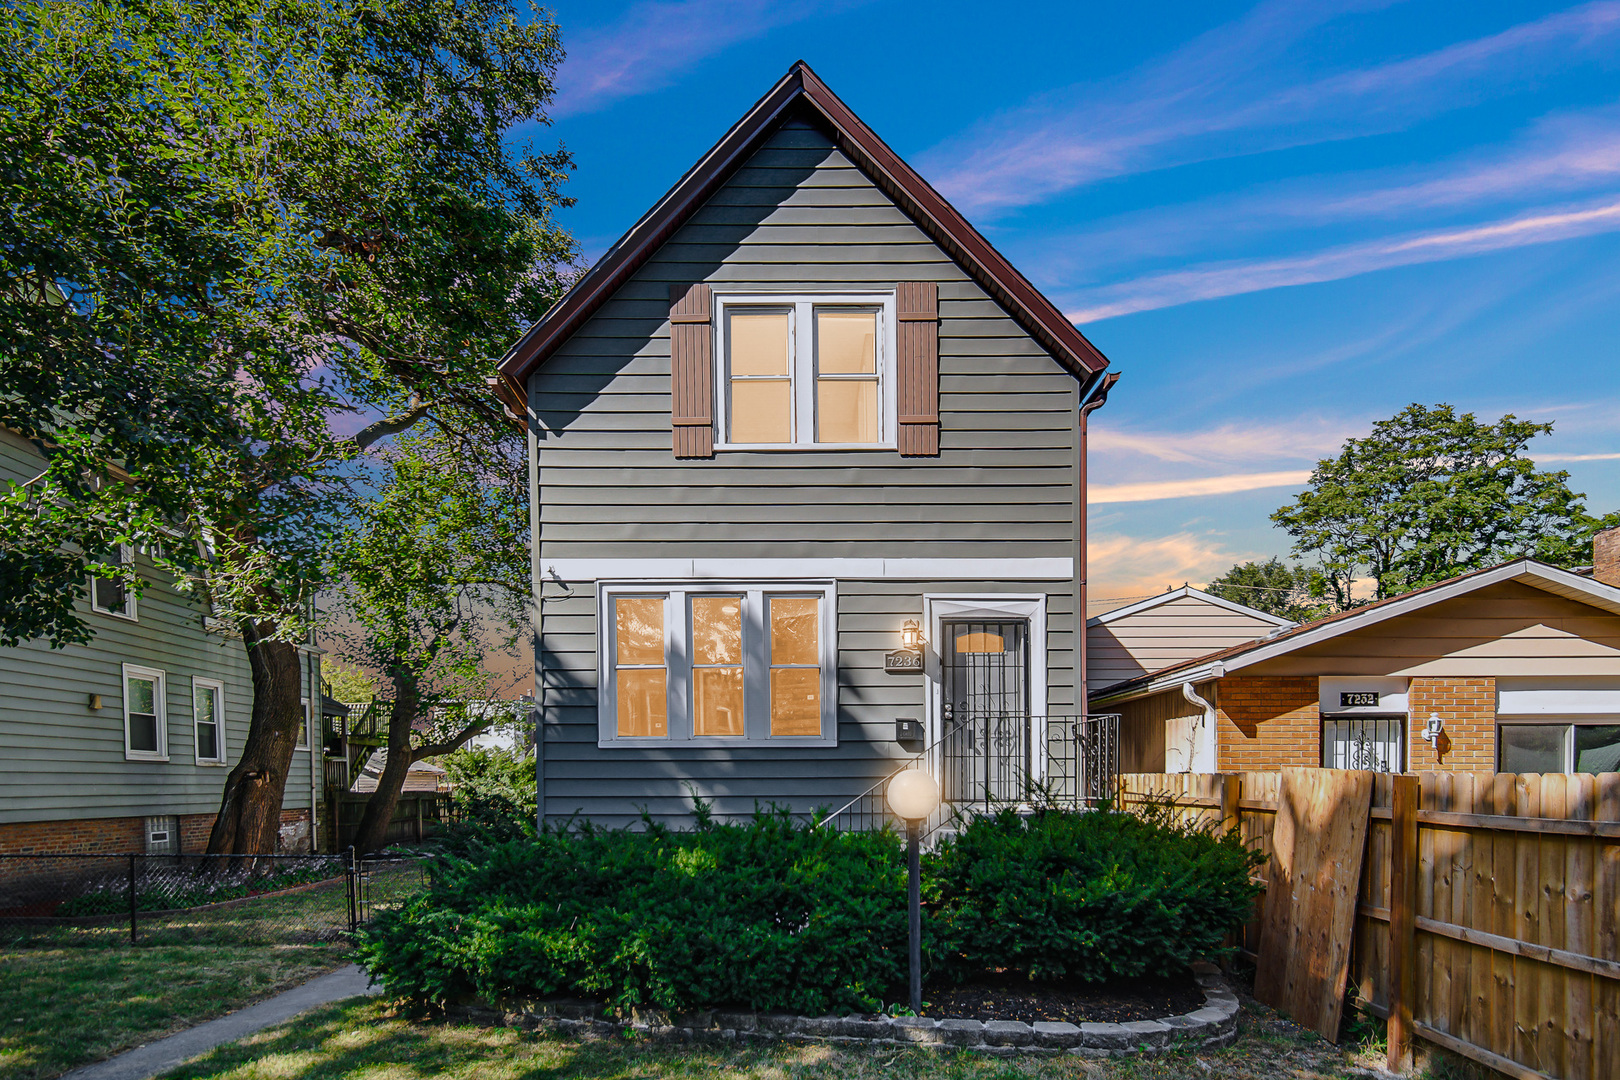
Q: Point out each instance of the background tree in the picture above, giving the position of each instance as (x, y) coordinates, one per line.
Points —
(432, 574)
(1275, 587)
(1430, 494)
(248, 242)
(349, 682)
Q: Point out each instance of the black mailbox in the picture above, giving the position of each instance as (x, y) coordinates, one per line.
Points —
(908, 730)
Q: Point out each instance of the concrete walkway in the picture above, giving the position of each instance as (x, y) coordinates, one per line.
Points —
(154, 1058)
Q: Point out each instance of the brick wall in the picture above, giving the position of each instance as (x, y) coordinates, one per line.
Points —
(1467, 709)
(1267, 721)
(1606, 556)
(89, 836)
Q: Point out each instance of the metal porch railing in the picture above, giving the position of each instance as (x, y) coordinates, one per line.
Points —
(987, 762)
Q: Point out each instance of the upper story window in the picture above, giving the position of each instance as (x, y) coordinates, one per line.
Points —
(717, 665)
(811, 371)
(110, 595)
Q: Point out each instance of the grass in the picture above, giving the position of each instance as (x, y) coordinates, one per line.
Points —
(60, 1008)
(370, 1038)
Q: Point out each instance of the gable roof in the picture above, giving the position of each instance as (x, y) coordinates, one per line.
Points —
(799, 92)
(1214, 665)
(1187, 592)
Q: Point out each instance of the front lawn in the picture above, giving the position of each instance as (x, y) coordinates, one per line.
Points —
(370, 1038)
(60, 1008)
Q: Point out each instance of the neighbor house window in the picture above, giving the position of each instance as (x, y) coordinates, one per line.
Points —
(1560, 747)
(303, 732)
(1370, 743)
(717, 665)
(208, 716)
(110, 595)
(145, 714)
(806, 371)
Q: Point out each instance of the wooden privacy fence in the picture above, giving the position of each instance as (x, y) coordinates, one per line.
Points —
(1487, 917)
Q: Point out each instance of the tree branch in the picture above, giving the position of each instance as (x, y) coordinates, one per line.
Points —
(392, 425)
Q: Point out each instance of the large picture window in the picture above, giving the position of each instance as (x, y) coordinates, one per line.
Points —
(717, 665)
(145, 714)
(807, 371)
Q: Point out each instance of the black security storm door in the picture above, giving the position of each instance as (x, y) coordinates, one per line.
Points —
(986, 737)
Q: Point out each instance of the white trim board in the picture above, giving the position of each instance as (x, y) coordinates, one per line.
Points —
(937, 607)
(1186, 591)
(1053, 569)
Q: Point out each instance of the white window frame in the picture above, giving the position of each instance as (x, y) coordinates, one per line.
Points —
(127, 555)
(198, 684)
(160, 701)
(802, 366)
(756, 662)
(303, 732)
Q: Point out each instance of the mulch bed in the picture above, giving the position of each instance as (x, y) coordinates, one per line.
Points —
(1009, 996)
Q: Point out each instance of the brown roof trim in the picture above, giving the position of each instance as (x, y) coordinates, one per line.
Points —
(944, 224)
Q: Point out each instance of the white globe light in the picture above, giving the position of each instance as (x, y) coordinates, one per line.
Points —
(913, 795)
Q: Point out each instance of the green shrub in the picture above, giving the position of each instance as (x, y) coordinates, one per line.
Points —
(494, 793)
(1092, 895)
(767, 915)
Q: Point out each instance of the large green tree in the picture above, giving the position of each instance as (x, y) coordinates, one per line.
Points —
(247, 243)
(1430, 494)
(1275, 587)
(432, 575)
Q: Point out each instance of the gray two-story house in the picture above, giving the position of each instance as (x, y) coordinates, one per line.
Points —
(123, 744)
(800, 405)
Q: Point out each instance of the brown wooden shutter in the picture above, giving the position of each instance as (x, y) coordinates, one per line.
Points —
(691, 371)
(917, 342)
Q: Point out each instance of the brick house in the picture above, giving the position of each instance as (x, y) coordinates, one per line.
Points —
(1515, 668)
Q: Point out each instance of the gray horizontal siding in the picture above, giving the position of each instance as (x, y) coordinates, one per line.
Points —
(797, 215)
(608, 785)
(63, 760)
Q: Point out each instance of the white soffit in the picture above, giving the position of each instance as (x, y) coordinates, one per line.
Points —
(1186, 591)
(1055, 569)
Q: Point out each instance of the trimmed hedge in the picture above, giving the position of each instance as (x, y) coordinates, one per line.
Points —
(774, 915)
(769, 914)
(1089, 896)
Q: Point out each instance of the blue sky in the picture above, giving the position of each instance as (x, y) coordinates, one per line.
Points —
(1280, 221)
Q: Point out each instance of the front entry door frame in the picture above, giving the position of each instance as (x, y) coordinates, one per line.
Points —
(938, 608)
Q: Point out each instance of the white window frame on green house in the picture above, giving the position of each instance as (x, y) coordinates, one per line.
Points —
(757, 662)
(126, 557)
(160, 693)
(199, 688)
(303, 732)
(803, 365)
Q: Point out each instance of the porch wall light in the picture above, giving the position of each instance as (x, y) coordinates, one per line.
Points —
(911, 638)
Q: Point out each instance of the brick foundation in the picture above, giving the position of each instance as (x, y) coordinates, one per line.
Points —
(1267, 721)
(121, 835)
(1467, 709)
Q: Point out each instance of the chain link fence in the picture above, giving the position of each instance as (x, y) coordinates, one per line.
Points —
(64, 900)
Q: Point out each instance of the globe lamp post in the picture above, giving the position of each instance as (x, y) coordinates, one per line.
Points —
(912, 796)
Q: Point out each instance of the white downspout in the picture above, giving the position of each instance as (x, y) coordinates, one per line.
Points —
(1203, 755)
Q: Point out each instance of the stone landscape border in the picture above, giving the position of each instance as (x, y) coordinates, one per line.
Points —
(1213, 1025)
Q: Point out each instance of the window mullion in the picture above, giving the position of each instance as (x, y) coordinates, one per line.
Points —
(678, 665)
(756, 668)
(804, 372)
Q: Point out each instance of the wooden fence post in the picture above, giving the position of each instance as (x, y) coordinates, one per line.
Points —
(1231, 794)
(1403, 868)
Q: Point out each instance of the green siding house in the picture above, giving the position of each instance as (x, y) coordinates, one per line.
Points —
(123, 744)
(800, 405)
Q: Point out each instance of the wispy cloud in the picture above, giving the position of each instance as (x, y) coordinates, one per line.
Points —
(1233, 278)
(1197, 486)
(656, 41)
(1144, 566)
(1308, 438)
(1226, 94)
(1575, 457)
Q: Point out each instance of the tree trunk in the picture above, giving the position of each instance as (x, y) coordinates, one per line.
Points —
(249, 819)
(372, 833)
